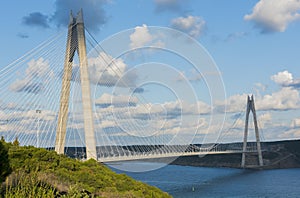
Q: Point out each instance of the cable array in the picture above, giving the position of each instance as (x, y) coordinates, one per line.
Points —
(29, 104)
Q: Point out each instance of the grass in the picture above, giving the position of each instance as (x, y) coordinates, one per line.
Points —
(41, 173)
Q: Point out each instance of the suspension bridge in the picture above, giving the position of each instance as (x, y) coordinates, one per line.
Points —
(48, 104)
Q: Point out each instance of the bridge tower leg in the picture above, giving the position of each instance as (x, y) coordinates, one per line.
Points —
(76, 42)
(251, 107)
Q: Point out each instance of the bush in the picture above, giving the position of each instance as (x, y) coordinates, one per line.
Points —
(5, 169)
(42, 173)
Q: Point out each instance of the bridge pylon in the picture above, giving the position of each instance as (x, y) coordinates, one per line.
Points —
(251, 107)
(76, 42)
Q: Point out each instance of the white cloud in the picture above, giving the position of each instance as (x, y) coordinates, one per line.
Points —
(265, 120)
(38, 68)
(116, 100)
(286, 98)
(137, 110)
(145, 120)
(233, 104)
(18, 122)
(142, 37)
(282, 100)
(27, 85)
(45, 115)
(106, 71)
(292, 131)
(282, 78)
(36, 76)
(260, 87)
(192, 25)
(285, 79)
(274, 15)
(181, 107)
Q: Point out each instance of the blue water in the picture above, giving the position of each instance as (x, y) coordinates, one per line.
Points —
(186, 181)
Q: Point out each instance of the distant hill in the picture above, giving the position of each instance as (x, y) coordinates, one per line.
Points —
(279, 154)
(42, 173)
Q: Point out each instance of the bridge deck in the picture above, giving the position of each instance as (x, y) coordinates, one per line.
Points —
(165, 155)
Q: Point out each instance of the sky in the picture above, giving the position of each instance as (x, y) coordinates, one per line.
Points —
(250, 46)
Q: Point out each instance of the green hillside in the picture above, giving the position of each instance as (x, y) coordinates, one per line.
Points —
(41, 173)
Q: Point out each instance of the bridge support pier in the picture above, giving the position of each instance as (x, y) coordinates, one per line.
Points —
(76, 42)
(251, 107)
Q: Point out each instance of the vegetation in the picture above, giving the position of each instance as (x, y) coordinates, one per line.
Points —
(5, 169)
(42, 173)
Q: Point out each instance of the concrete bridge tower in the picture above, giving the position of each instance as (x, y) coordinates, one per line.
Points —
(76, 42)
(251, 107)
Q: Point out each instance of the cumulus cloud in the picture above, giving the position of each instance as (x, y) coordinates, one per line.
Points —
(168, 110)
(142, 37)
(44, 115)
(10, 106)
(286, 79)
(292, 131)
(233, 104)
(274, 15)
(265, 120)
(143, 120)
(106, 71)
(192, 25)
(34, 79)
(282, 100)
(169, 5)
(36, 19)
(285, 99)
(26, 121)
(107, 100)
(181, 107)
(26, 85)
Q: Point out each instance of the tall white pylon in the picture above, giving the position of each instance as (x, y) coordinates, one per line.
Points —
(251, 107)
(76, 42)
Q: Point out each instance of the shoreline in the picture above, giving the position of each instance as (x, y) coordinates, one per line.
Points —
(276, 155)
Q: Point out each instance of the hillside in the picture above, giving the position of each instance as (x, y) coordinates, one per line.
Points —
(42, 173)
(280, 154)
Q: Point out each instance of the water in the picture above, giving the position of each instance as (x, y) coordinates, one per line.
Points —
(186, 181)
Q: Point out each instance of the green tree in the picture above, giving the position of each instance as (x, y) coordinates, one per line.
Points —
(16, 142)
(5, 169)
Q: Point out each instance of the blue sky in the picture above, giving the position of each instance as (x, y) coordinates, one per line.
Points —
(254, 43)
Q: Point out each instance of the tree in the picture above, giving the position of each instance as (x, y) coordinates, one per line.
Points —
(5, 169)
(16, 142)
